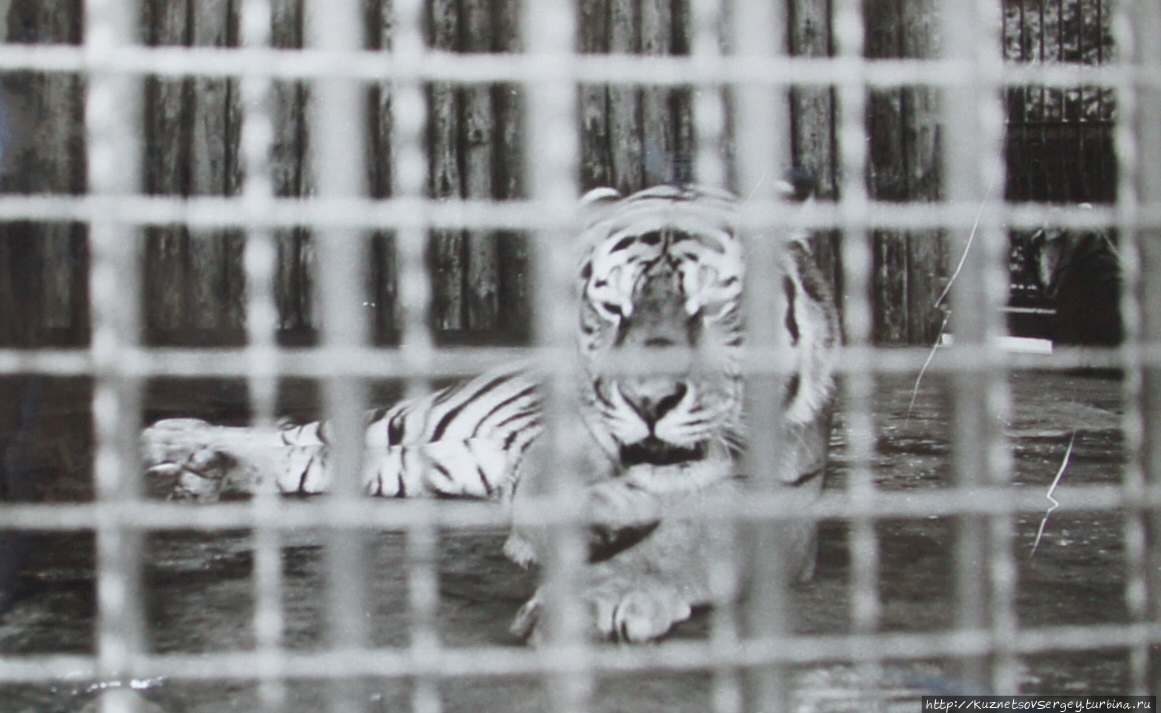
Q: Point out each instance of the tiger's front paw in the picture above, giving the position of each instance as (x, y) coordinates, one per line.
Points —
(620, 614)
(181, 461)
(639, 614)
(190, 459)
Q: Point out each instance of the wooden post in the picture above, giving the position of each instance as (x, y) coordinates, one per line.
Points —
(290, 169)
(515, 318)
(479, 157)
(193, 281)
(910, 268)
(216, 277)
(926, 250)
(43, 298)
(444, 131)
(812, 119)
(812, 109)
(627, 148)
(383, 290)
(659, 144)
(596, 166)
(166, 281)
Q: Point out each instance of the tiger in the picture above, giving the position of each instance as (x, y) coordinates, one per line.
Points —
(663, 268)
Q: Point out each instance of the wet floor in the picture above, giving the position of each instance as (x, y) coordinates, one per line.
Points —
(199, 599)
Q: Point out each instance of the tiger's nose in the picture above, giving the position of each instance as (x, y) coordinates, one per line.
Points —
(653, 398)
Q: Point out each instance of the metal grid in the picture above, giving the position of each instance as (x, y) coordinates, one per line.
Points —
(1059, 144)
(987, 635)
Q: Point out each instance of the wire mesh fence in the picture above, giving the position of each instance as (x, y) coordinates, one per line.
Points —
(989, 522)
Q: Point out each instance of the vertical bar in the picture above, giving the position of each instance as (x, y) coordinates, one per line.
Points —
(1147, 24)
(549, 34)
(338, 146)
(112, 119)
(858, 322)
(762, 139)
(1132, 421)
(1136, 134)
(410, 177)
(709, 107)
(260, 258)
(415, 295)
(974, 172)
(1148, 181)
(709, 169)
(727, 694)
(1002, 572)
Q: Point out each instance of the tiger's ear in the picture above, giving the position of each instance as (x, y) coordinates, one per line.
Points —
(600, 196)
(597, 203)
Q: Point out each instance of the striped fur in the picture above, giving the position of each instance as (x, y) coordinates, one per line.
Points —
(466, 440)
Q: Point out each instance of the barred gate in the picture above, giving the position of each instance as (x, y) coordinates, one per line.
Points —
(1059, 146)
(947, 464)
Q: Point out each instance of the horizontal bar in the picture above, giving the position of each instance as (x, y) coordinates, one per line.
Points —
(390, 363)
(531, 215)
(396, 514)
(497, 661)
(437, 66)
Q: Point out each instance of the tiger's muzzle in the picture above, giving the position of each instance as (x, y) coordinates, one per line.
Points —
(653, 397)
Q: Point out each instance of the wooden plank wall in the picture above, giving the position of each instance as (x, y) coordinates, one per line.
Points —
(910, 268)
(812, 123)
(632, 137)
(43, 278)
(193, 286)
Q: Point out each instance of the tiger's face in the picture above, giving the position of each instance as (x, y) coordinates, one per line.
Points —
(666, 273)
(663, 277)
